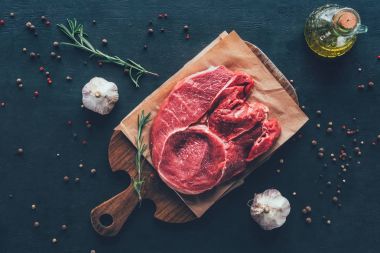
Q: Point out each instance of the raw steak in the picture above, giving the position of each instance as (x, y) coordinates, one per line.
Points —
(205, 132)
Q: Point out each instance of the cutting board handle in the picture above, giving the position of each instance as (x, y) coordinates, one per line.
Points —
(116, 209)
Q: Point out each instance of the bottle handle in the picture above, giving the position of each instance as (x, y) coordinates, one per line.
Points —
(362, 29)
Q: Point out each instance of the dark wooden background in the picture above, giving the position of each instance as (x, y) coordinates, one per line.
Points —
(39, 126)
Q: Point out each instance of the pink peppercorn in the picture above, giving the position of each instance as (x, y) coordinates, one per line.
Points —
(36, 93)
(47, 23)
(41, 68)
(378, 57)
(49, 81)
(187, 37)
(2, 22)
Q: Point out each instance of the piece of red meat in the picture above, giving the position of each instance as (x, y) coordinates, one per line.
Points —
(193, 160)
(205, 132)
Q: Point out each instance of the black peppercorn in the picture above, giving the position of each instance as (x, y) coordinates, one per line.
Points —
(53, 54)
(186, 28)
(55, 44)
(308, 220)
(104, 42)
(150, 30)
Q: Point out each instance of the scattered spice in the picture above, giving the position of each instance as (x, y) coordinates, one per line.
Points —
(32, 55)
(77, 180)
(64, 227)
(56, 44)
(12, 14)
(308, 209)
(150, 30)
(104, 42)
(314, 142)
(371, 84)
(24, 50)
(93, 171)
(308, 220)
(53, 54)
(187, 36)
(162, 29)
(36, 93)
(34, 206)
(66, 179)
(185, 28)
(69, 78)
(20, 151)
(335, 199)
(329, 130)
(54, 240)
(328, 222)
(319, 113)
(36, 224)
(2, 22)
(145, 48)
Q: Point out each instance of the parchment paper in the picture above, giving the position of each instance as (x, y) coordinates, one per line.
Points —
(231, 51)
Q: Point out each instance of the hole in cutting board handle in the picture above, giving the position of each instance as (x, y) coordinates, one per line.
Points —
(106, 220)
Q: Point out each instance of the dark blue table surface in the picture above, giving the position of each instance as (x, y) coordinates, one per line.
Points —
(38, 125)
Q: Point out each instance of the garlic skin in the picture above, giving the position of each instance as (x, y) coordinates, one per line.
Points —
(270, 209)
(100, 95)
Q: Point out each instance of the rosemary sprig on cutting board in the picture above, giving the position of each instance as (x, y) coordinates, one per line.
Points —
(141, 147)
(78, 37)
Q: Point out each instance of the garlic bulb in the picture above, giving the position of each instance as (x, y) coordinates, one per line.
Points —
(99, 95)
(270, 209)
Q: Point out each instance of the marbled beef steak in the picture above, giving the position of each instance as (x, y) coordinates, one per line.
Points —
(206, 132)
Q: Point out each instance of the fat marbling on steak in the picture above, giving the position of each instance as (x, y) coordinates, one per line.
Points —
(206, 132)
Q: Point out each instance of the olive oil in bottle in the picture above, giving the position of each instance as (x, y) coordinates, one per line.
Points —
(331, 30)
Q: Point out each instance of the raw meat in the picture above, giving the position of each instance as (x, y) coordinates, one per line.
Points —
(206, 132)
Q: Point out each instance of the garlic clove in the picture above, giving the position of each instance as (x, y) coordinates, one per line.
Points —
(270, 209)
(100, 95)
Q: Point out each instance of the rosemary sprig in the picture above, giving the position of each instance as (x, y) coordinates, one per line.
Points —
(78, 37)
(138, 182)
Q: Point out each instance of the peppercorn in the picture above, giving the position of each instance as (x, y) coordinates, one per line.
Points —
(69, 78)
(150, 30)
(36, 93)
(329, 130)
(20, 151)
(34, 206)
(371, 84)
(314, 142)
(28, 24)
(318, 112)
(32, 55)
(100, 63)
(328, 183)
(66, 179)
(165, 15)
(47, 23)
(308, 209)
(338, 192)
(291, 81)
(308, 220)
(328, 222)
(335, 199)
(320, 155)
(185, 28)
(55, 44)
(59, 57)
(92, 251)
(145, 48)
(53, 54)
(12, 14)
(94, 22)
(93, 171)
(318, 125)
(187, 36)
(304, 211)
(24, 49)
(64, 227)
(104, 42)
(81, 165)
(36, 224)
(360, 69)
(54, 240)
(2, 22)
(43, 18)
(160, 16)
(32, 27)
(294, 193)
(77, 180)
(18, 80)
(162, 29)
(360, 86)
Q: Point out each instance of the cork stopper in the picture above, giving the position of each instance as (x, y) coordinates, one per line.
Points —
(347, 20)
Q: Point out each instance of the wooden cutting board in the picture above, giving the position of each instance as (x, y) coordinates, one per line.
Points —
(169, 207)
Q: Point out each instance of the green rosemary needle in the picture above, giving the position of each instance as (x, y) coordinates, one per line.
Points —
(141, 147)
(78, 37)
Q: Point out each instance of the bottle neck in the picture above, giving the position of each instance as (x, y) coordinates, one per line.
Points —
(345, 22)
